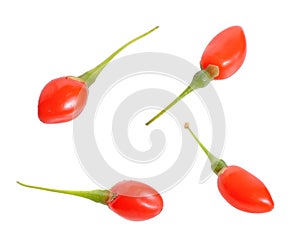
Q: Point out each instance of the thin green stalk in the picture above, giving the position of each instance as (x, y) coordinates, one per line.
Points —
(216, 164)
(90, 76)
(180, 97)
(211, 157)
(201, 79)
(100, 196)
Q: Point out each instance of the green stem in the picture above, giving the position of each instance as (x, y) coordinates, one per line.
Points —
(180, 97)
(216, 164)
(100, 196)
(201, 79)
(90, 76)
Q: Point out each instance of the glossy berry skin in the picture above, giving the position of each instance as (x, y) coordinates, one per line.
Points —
(222, 57)
(62, 100)
(244, 191)
(135, 201)
(131, 200)
(227, 50)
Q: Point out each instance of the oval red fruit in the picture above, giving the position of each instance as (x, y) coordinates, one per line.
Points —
(244, 191)
(135, 201)
(62, 100)
(227, 50)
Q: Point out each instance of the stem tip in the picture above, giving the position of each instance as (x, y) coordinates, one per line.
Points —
(187, 125)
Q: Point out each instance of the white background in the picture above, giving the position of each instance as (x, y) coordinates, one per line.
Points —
(42, 40)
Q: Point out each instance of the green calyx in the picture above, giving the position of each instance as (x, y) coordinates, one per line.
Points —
(99, 196)
(201, 79)
(217, 165)
(90, 76)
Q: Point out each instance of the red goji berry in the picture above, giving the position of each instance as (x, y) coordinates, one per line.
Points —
(222, 57)
(239, 188)
(131, 200)
(64, 98)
